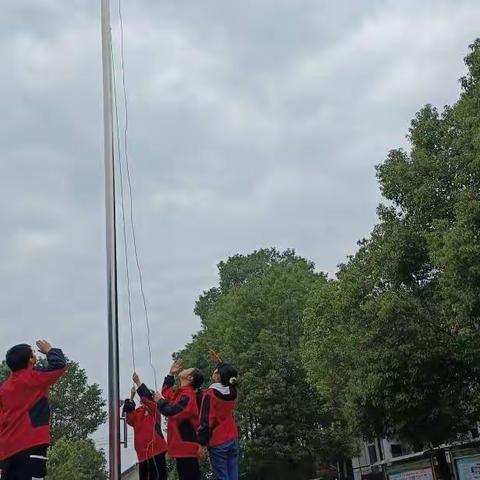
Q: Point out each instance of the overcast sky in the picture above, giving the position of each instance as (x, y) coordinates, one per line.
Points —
(252, 124)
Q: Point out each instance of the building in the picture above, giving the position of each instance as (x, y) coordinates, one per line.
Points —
(455, 461)
(131, 473)
(367, 465)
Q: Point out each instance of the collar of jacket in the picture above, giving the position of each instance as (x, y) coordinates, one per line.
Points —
(221, 388)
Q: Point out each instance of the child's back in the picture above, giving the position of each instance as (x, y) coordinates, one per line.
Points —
(24, 407)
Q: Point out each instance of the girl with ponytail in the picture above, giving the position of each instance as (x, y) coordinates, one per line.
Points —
(218, 429)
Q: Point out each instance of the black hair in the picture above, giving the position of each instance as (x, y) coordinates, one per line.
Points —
(228, 375)
(197, 379)
(18, 357)
(197, 382)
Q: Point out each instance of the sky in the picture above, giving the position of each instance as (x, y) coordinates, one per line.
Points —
(251, 124)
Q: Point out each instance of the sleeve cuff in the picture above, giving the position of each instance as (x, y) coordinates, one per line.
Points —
(144, 392)
(56, 359)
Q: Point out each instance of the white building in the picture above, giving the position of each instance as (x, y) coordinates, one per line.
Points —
(366, 465)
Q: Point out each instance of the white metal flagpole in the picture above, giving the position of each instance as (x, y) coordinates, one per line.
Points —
(113, 355)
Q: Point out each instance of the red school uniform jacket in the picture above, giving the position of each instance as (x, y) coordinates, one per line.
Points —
(24, 408)
(181, 409)
(217, 423)
(147, 425)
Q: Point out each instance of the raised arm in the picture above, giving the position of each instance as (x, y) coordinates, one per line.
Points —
(167, 387)
(175, 409)
(147, 397)
(129, 408)
(56, 367)
(214, 357)
(169, 381)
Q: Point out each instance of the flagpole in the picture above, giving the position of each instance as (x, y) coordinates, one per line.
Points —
(113, 355)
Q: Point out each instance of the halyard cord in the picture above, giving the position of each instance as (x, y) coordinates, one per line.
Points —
(129, 182)
(122, 205)
(132, 223)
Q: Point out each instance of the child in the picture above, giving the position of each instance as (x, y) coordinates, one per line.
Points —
(25, 412)
(218, 428)
(149, 441)
(181, 407)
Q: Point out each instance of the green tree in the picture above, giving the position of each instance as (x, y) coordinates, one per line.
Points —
(253, 319)
(392, 343)
(78, 408)
(4, 371)
(76, 460)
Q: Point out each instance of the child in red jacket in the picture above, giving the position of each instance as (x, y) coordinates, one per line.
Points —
(181, 407)
(218, 429)
(25, 412)
(149, 441)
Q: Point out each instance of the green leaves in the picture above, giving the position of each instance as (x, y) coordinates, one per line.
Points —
(76, 460)
(78, 408)
(254, 320)
(399, 352)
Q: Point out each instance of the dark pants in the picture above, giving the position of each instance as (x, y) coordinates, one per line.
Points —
(224, 460)
(153, 469)
(26, 465)
(188, 469)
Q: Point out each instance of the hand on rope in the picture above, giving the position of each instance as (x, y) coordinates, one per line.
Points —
(136, 379)
(214, 356)
(176, 367)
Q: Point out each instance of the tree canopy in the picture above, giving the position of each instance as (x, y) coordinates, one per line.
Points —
(392, 342)
(76, 460)
(253, 318)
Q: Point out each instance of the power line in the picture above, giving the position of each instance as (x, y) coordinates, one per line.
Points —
(129, 182)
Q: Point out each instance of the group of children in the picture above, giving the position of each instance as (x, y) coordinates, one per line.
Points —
(197, 423)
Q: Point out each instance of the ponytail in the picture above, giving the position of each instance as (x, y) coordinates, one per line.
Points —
(228, 375)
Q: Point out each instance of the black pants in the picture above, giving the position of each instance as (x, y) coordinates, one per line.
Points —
(31, 463)
(153, 469)
(188, 469)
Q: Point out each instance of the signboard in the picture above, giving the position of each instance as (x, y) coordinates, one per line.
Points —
(419, 474)
(468, 468)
